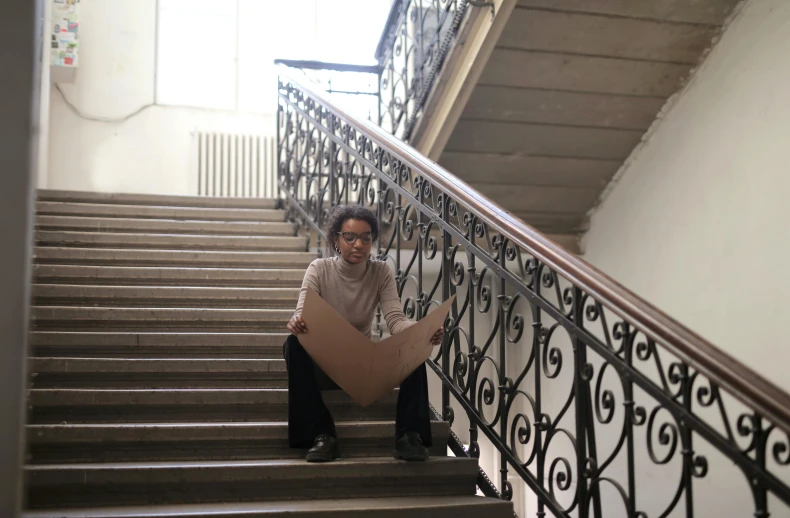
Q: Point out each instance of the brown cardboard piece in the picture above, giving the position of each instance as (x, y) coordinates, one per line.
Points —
(364, 369)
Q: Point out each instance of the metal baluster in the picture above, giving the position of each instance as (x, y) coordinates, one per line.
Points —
(474, 447)
(445, 272)
(502, 296)
(630, 417)
(686, 442)
(758, 489)
(540, 427)
(583, 416)
(420, 226)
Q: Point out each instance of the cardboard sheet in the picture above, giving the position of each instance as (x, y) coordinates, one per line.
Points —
(364, 369)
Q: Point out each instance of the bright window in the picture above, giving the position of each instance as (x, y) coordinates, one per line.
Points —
(219, 53)
(196, 53)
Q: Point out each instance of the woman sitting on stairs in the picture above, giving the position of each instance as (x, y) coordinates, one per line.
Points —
(354, 285)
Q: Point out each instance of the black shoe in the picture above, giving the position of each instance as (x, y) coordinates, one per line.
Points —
(410, 447)
(324, 449)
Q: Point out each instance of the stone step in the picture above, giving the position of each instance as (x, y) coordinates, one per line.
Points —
(127, 442)
(65, 485)
(157, 372)
(157, 345)
(163, 226)
(169, 276)
(390, 507)
(186, 405)
(164, 296)
(154, 199)
(128, 240)
(205, 367)
(158, 381)
(53, 208)
(135, 319)
(189, 258)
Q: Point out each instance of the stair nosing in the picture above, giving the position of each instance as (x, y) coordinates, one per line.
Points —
(274, 506)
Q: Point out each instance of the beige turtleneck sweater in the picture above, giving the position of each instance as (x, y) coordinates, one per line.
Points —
(354, 290)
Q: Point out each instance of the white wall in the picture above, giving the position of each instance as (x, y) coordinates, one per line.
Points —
(149, 152)
(43, 118)
(698, 223)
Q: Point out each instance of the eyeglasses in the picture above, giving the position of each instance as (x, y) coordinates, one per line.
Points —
(351, 237)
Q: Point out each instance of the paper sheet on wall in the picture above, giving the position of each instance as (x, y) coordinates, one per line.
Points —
(365, 370)
(64, 45)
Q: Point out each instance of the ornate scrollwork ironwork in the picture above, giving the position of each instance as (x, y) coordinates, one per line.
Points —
(413, 48)
(579, 401)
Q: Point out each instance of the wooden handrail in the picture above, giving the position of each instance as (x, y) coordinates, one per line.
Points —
(742, 382)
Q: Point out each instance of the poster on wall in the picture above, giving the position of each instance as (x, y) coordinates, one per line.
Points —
(65, 33)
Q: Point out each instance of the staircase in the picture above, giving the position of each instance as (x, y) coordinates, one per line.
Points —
(158, 387)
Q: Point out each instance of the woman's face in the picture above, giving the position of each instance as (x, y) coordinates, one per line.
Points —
(358, 251)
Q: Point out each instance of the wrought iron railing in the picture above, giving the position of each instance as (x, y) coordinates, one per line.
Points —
(597, 402)
(417, 37)
(414, 44)
(357, 87)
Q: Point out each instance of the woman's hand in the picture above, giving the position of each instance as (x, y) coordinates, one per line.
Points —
(436, 339)
(296, 325)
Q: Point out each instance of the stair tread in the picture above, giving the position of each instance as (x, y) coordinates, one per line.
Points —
(142, 240)
(275, 507)
(77, 197)
(128, 235)
(196, 425)
(157, 256)
(163, 390)
(223, 296)
(53, 220)
(241, 253)
(177, 361)
(82, 366)
(159, 211)
(102, 396)
(164, 269)
(240, 297)
(377, 470)
(143, 338)
(119, 310)
(190, 431)
(112, 344)
(160, 441)
(251, 425)
(187, 276)
(44, 207)
(263, 463)
(197, 289)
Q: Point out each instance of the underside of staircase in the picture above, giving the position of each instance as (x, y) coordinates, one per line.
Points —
(569, 91)
(158, 387)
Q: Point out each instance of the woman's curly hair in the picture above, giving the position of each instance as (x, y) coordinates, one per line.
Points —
(340, 214)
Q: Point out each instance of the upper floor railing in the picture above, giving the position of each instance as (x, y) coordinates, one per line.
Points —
(597, 403)
(357, 87)
(417, 37)
(416, 40)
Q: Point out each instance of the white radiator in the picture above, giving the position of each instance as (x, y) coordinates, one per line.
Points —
(235, 165)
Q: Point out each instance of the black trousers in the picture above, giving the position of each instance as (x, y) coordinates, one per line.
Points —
(308, 416)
